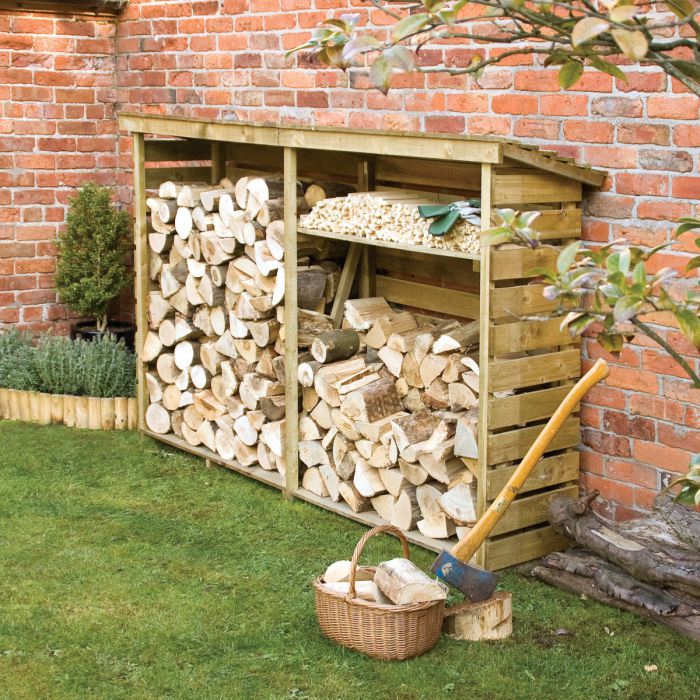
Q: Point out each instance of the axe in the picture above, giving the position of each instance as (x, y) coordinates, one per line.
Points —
(476, 583)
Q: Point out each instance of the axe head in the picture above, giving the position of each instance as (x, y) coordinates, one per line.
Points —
(476, 583)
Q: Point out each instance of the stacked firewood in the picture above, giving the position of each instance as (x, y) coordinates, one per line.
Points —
(215, 341)
(389, 417)
(388, 216)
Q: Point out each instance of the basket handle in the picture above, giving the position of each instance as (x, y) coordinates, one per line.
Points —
(361, 545)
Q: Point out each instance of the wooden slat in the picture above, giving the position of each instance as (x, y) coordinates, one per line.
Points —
(530, 510)
(528, 186)
(519, 263)
(514, 444)
(141, 270)
(428, 268)
(525, 407)
(455, 254)
(556, 223)
(534, 370)
(155, 176)
(347, 277)
(521, 300)
(523, 546)
(254, 472)
(177, 150)
(443, 175)
(218, 162)
(528, 335)
(548, 471)
(537, 159)
(291, 386)
(424, 296)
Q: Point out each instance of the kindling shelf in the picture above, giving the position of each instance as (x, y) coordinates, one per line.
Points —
(427, 250)
(525, 366)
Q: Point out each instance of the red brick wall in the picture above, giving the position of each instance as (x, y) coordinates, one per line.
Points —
(57, 129)
(226, 60)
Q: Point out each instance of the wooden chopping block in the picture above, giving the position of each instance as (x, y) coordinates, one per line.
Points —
(485, 620)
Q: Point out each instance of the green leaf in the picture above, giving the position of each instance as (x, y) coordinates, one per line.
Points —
(410, 25)
(588, 28)
(606, 67)
(626, 308)
(694, 264)
(612, 342)
(632, 43)
(569, 73)
(639, 274)
(625, 260)
(380, 74)
(692, 70)
(690, 324)
(579, 325)
(687, 224)
(680, 8)
(567, 256)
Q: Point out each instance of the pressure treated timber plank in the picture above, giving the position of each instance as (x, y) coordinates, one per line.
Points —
(291, 360)
(548, 471)
(347, 277)
(510, 550)
(526, 186)
(155, 176)
(533, 370)
(266, 477)
(528, 335)
(389, 244)
(555, 223)
(526, 407)
(177, 150)
(514, 444)
(530, 510)
(425, 296)
(519, 263)
(141, 270)
(439, 174)
(486, 288)
(520, 300)
(539, 160)
(218, 162)
(438, 270)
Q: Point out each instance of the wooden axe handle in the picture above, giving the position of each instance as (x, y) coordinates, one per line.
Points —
(465, 548)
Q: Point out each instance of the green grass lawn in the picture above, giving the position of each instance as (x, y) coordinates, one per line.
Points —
(131, 571)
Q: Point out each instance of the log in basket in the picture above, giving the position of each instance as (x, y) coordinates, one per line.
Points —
(391, 632)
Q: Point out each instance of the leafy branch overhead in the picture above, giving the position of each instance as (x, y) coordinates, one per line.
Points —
(570, 34)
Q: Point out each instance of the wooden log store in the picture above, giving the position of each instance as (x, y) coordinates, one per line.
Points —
(222, 320)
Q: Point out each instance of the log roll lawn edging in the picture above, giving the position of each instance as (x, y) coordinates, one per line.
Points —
(94, 413)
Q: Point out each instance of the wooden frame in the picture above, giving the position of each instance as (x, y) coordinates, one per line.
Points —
(533, 357)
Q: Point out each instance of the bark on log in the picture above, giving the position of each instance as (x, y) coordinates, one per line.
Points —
(335, 345)
(403, 582)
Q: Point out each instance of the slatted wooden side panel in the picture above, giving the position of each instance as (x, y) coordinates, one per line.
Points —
(532, 366)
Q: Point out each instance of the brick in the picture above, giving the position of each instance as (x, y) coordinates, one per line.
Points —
(686, 187)
(588, 131)
(617, 107)
(673, 107)
(467, 103)
(514, 104)
(661, 456)
(686, 135)
(664, 159)
(564, 105)
(641, 184)
(606, 443)
(444, 124)
(619, 423)
(657, 134)
(538, 128)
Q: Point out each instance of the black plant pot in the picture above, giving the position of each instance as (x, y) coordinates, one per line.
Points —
(88, 331)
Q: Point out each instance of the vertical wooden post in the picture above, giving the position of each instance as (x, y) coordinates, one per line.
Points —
(368, 262)
(485, 286)
(218, 162)
(141, 268)
(291, 387)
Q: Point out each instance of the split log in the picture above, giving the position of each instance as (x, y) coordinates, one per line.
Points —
(186, 354)
(466, 436)
(490, 619)
(428, 498)
(312, 454)
(273, 435)
(335, 345)
(319, 191)
(224, 442)
(339, 572)
(183, 223)
(355, 500)
(155, 387)
(166, 368)
(462, 338)
(384, 505)
(207, 405)
(372, 402)
(273, 407)
(158, 419)
(367, 480)
(311, 283)
(436, 396)
(152, 347)
(431, 367)
(362, 313)
(392, 359)
(200, 377)
(414, 473)
(313, 481)
(459, 503)
(406, 512)
(413, 428)
(437, 526)
(403, 582)
(364, 590)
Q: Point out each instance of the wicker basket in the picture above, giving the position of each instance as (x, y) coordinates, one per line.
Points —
(378, 630)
